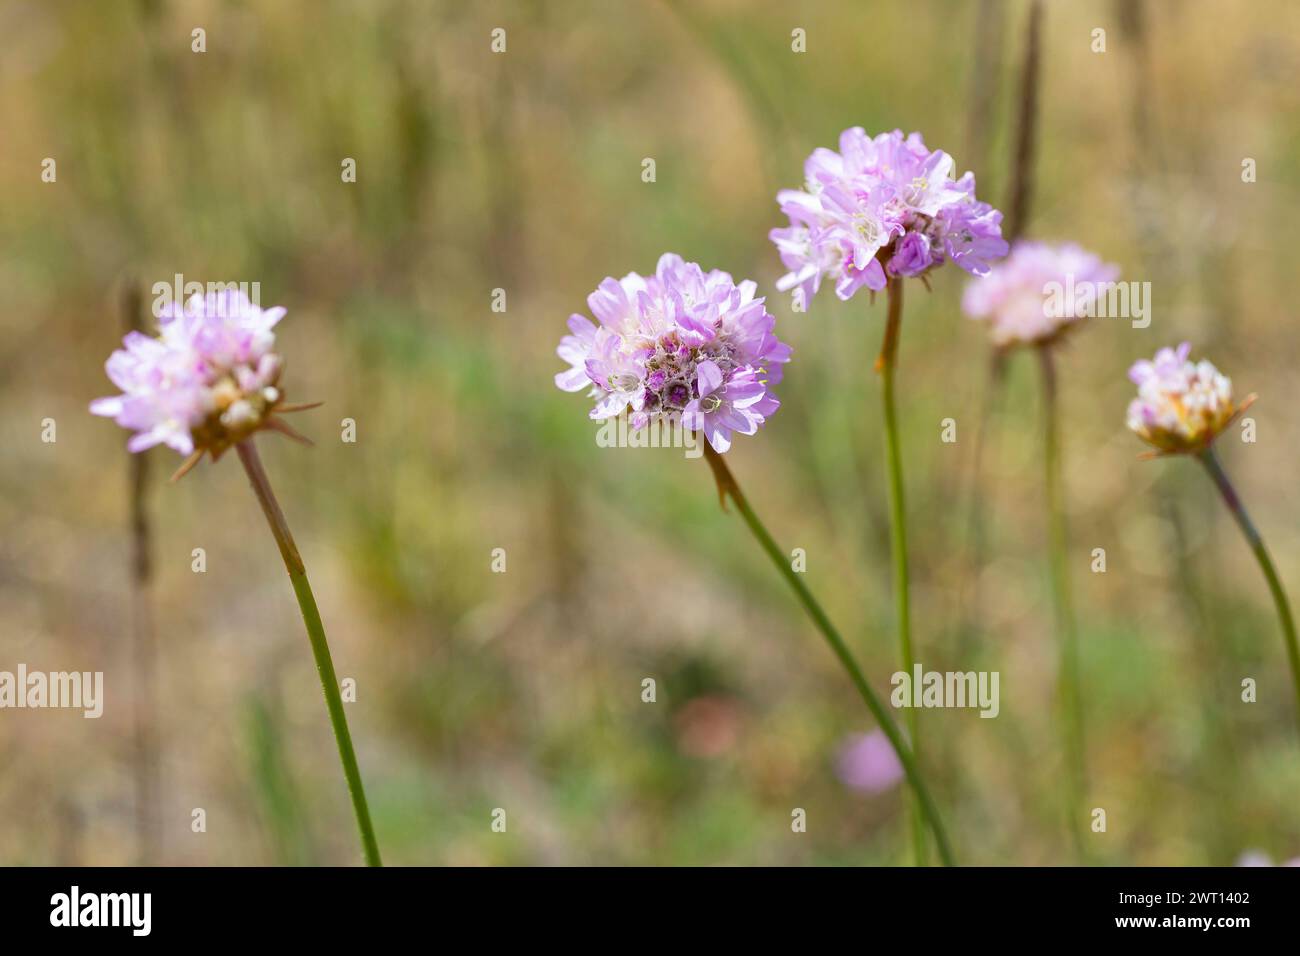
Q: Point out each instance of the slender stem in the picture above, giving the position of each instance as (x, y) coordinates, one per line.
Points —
(727, 487)
(316, 634)
(969, 594)
(1069, 689)
(144, 653)
(886, 365)
(1211, 462)
(1022, 160)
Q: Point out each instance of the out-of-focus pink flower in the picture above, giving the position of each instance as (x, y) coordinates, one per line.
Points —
(868, 764)
(1181, 405)
(1037, 292)
(683, 345)
(878, 208)
(1260, 858)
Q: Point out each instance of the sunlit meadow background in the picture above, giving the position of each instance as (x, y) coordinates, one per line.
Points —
(522, 690)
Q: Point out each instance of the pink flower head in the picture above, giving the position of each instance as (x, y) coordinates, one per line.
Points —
(882, 207)
(1037, 292)
(868, 764)
(208, 380)
(1260, 858)
(681, 345)
(1182, 405)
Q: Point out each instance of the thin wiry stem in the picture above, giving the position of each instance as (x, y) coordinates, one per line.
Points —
(316, 634)
(1069, 689)
(1205, 619)
(1211, 462)
(1019, 200)
(1022, 166)
(969, 606)
(886, 365)
(727, 488)
(147, 766)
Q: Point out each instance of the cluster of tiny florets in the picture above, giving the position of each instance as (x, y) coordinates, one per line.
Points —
(1181, 405)
(207, 381)
(880, 208)
(691, 347)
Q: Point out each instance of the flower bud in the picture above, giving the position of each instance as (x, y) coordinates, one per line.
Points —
(1182, 406)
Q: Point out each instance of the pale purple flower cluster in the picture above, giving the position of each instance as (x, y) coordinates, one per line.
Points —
(682, 345)
(879, 208)
(208, 379)
(1037, 292)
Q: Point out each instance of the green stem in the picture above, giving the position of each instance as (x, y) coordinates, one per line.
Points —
(1069, 689)
(1211, 462)
(886, 364)
(727, 487)
(316, 634)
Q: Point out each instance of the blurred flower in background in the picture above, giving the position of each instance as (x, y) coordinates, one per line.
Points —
(868, 764)
(1260, 858)
(1014, 297)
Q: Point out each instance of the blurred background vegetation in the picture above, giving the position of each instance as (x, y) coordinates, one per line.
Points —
(522, 690)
